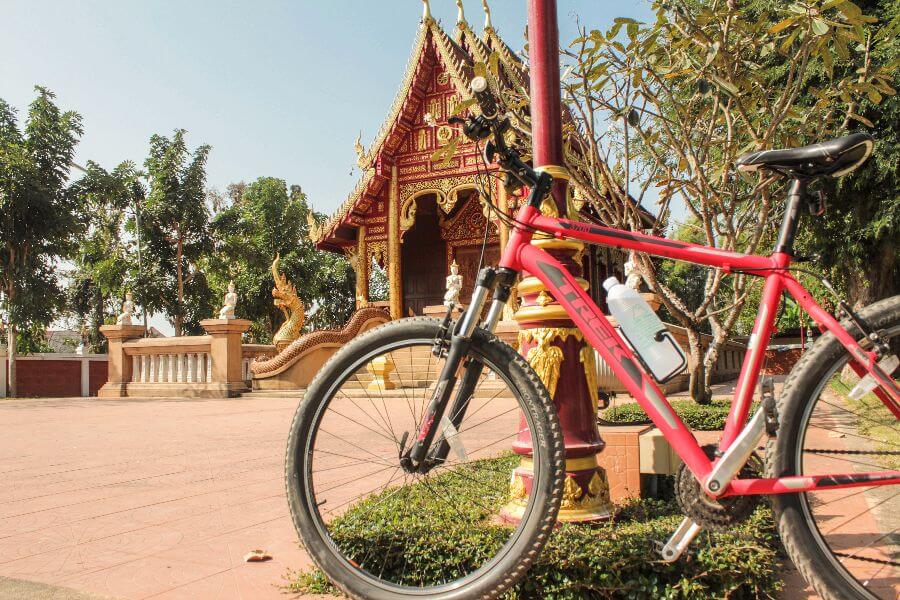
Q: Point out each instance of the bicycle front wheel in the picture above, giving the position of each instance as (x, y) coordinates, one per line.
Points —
(845, 542)
(461, 530)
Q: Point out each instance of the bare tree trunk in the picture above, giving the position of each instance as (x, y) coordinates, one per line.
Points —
(11, 359)
(712, 357)
(179, 318)
(876, 278)
(697, 387)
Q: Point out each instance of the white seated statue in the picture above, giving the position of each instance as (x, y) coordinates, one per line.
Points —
(454, 286)
(227, 311)
(633, 277)
(127, 311)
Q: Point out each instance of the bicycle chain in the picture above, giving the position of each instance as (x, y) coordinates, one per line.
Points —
(877, 561)
(855, 452)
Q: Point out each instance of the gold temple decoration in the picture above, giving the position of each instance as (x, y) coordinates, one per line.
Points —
(426, 12)
(588, 359)
(395, 292)
(287, 301)
(360, 152)
(460, 13)
(548, 209)
(545, 358)
(315, 229)
(487, 15)
(577, 503)
(444, 188)
(517, 489)
(555, 171)
(543, 298)
(380, 368)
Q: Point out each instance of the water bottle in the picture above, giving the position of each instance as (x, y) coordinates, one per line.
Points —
(644, 331)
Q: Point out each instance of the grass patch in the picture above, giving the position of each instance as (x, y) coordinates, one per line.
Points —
(874, 420)
(612, 560)
(699, 417)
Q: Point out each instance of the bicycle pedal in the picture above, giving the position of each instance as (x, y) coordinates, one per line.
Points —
(676, 545)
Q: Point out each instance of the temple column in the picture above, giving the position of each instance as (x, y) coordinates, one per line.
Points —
(548, 339)
(395, 281)
(504, 204)
(502, 198)
(362, 268)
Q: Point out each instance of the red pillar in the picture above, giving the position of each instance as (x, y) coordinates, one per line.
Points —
(548, 339)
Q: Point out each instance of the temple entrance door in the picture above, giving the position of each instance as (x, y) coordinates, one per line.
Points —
(423, 260)
(467, 257)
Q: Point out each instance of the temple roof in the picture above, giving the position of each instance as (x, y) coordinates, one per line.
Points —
(458, 58)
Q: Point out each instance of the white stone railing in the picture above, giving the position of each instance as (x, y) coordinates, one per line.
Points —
(190, 367)
(210, 365)
(251, 352)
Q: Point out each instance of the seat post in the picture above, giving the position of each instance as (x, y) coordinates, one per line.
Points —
(795, 195)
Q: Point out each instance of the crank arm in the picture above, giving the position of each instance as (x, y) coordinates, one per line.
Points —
(680, 540)
(737, 454)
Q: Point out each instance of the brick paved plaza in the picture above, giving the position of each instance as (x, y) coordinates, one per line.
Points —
(161, 498)
(146, 498)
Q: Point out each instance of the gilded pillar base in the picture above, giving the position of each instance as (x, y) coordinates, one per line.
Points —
(565, 363)
(585, 492)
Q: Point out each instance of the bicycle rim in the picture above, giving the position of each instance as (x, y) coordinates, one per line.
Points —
(858, 528)
(406, 533)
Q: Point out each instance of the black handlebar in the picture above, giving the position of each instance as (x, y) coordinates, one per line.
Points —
(489, 124)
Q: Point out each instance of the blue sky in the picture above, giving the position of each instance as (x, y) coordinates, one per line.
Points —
(277, 88)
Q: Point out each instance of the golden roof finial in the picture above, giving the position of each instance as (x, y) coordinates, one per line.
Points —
(487, 15)
(460, 13)
(360, 151)
(426, 12)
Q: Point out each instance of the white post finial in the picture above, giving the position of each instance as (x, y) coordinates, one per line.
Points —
(487, 15)
(426, 12)
(460, 13)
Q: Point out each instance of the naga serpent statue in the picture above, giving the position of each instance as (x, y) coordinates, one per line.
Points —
(286, 300)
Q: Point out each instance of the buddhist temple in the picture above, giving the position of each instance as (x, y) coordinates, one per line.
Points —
(413, 213)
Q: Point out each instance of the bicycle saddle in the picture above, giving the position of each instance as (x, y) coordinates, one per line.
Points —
(835, 157)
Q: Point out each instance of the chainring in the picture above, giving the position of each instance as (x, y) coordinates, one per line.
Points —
(719, 514)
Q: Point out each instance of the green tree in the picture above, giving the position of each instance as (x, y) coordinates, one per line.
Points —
(105, 262)
(262, 220)
(40, 219)
(690, 93)
(856, 239)
(175, 233)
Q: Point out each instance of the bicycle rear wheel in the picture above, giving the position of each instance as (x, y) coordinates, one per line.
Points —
(845, 542)
(380, 532)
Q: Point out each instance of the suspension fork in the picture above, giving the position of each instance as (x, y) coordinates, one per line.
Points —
(472, 369)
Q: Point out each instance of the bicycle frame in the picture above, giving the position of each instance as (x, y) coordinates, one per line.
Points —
(520, 255)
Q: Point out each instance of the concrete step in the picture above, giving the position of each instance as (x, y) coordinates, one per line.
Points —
(260, 394)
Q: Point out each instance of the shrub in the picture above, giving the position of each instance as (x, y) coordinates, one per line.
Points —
(618, 559)
(700, 417)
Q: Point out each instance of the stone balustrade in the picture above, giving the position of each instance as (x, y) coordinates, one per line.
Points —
(212, 365)
(250, 353)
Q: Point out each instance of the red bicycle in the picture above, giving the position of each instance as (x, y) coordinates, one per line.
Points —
(404, 436)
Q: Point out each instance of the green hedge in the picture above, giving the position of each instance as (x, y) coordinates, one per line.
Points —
(619, 559)
(701, 417)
